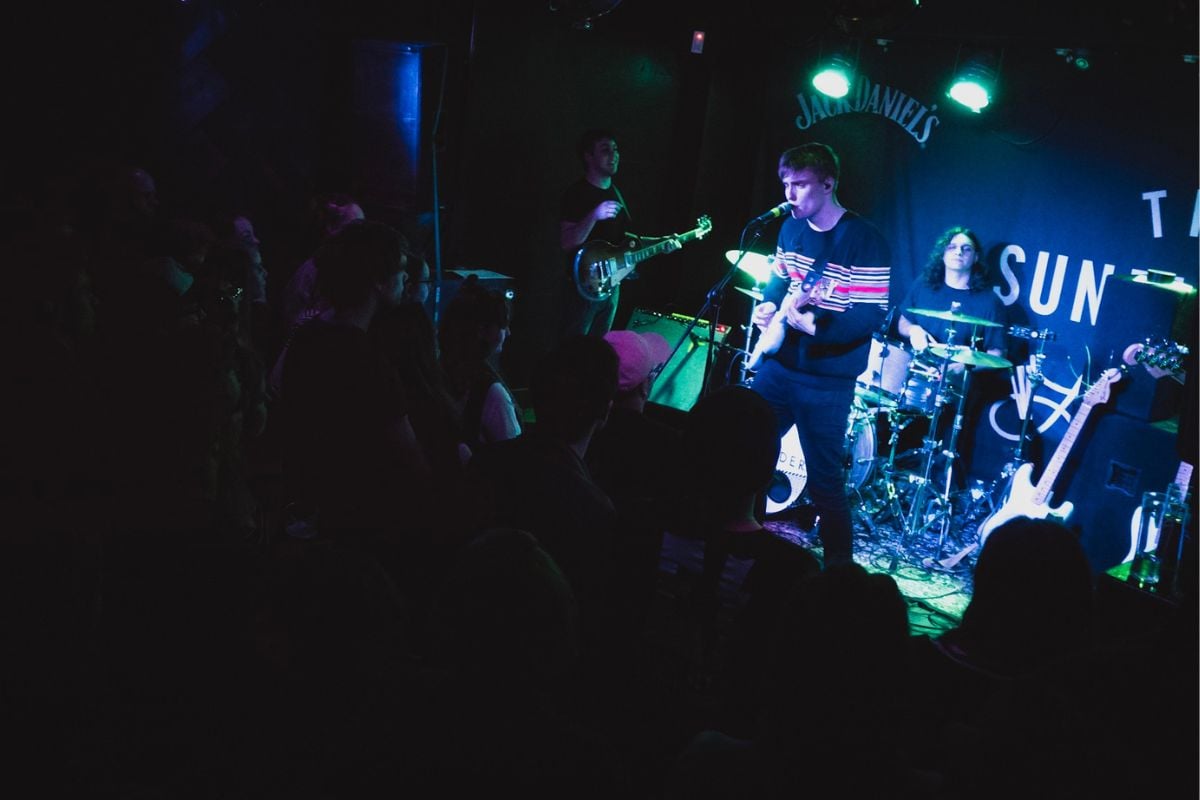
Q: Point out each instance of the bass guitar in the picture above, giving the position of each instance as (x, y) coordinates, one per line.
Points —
(1022, 498)
(600, 266)
(811, 292)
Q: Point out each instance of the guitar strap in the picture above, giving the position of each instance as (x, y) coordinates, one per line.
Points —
(621, 200)
(822, 261)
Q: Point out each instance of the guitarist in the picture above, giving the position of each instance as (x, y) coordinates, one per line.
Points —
(593, 209)
(809, 381)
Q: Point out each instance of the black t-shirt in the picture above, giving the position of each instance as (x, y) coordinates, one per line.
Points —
(983, 304)
(579, 200)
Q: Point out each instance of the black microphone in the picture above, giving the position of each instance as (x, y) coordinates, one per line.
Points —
(881, 334)
(775, 213)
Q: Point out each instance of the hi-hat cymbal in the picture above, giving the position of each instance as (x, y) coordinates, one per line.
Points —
(756, 265)
(757, 295)
(962, 354)
(953, 316)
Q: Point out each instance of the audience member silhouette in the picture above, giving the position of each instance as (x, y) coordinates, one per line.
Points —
(1029, 618)
(350, 450)
(739, 559)
(405, 336)
(504, 653)
(474, 327)
(302, 296)
(830, 723)
(539, 482)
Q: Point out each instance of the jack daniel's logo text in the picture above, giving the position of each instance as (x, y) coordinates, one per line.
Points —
(916, 118)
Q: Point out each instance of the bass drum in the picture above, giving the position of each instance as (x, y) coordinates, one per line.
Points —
(791, 474)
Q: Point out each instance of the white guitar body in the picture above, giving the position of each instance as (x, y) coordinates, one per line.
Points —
(1023, 498)
(1021, 501)
(1182, 477)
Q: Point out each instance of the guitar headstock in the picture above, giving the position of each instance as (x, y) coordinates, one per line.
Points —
(703, 226)
(1099, 392)
(1161, 359)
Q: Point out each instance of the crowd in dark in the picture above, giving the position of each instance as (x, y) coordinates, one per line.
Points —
(272, 533)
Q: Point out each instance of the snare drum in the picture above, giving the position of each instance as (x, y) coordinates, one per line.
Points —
(882, 382)
(791, 473)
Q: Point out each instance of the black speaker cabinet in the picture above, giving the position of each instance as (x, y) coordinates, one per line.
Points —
(681, 381)
(1115, 460)
(1131, 313)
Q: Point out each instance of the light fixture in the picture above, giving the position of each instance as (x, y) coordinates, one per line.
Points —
(1077, 57)
(974, 81)
(583, 13)
(834, 76)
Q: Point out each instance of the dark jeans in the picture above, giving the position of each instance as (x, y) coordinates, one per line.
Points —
(819, 408)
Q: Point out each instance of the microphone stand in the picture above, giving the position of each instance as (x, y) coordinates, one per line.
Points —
(1036, 377)
(712, 301)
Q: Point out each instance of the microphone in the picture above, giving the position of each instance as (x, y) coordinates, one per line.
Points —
(775, 213)
(881, 334)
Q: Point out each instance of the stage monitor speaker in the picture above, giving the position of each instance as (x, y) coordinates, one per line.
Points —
(1115, 460)
(681, 381)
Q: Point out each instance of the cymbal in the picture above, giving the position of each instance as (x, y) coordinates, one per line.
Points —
(953, 316)
(754, 293)
(756, 265)
(962, 354)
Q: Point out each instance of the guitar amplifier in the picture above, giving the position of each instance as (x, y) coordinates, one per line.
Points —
(452, 279)
(681, 381)
(1115, 460)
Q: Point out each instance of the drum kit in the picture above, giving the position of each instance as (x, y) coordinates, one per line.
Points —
(902, 490)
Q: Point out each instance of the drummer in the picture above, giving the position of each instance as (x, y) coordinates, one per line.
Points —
(954, 280)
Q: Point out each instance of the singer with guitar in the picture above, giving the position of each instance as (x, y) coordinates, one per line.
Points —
(830, 290)
(593, 209)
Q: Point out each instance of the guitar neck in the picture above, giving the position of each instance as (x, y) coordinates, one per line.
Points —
(659, 248)
(1042, 490)
(1183, 476)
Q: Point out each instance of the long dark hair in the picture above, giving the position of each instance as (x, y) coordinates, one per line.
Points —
(935, 268)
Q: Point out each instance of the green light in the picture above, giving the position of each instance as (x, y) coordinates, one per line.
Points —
(832, 81)
(971, 94)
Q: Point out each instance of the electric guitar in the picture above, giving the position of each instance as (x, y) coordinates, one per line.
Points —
(600, 266)
(1135, 522)
(1022, 498)
(1162, 359)
(811, 292)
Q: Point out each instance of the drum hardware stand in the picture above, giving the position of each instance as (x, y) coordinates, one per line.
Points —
(916, 520)
(1036, 378)
(951, 454)
(886, 483)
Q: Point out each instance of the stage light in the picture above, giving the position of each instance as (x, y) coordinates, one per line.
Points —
(974, 83)
(834, 77)
(1077, 57)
